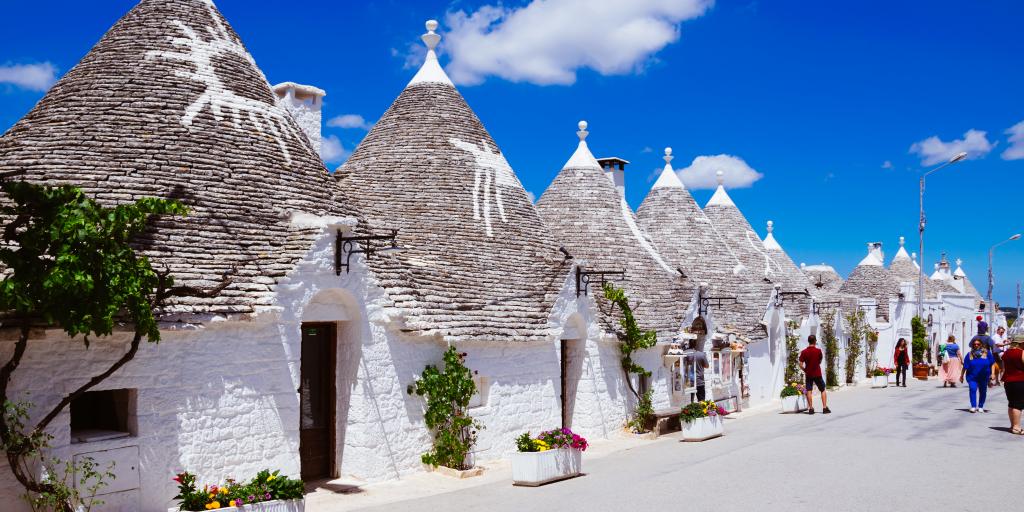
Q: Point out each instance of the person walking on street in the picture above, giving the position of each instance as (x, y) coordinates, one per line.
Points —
(952, 364)
(987, 343)
(901, 360)
(810, 363)
(1013, 382)
(977, 368)
(998, 345)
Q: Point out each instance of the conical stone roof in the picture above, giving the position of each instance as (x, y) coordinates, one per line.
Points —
(478, 262)
(749, 248)
(687, 240)
(170, 104)
(904, 270)
(823, 277)
(784, 262)
(968, 285)
(596, 225)
(870, 279)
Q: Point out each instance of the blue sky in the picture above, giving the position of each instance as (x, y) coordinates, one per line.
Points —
(824, 99)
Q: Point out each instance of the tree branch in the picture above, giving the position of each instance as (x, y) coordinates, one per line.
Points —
(128, 356)
(8, 370)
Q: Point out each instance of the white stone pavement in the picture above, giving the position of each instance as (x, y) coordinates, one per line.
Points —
(904, 449)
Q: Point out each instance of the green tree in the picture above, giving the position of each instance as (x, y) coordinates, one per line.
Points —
(919, 337)
(793, 371)
(632, 339)
(828, 330)
(448, 392)
(70, 264)
(858, 334)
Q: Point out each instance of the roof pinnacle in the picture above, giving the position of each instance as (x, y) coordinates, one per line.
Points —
(771, 226)
(431, 38)
(903, 240)
(720, 176)
(668, 156)
(582, 133)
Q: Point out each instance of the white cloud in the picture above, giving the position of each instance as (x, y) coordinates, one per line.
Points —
(886, 165)
(702, 172)
(34, 77)
(547, 41)
(1016, 149)
(331, 150)
(933, 150)
(349, 121)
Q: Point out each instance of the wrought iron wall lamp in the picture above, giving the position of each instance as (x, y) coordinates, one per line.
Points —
(345, 247)
(583, 278)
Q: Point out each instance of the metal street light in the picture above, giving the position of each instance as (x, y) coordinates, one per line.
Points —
(920, 230)
(991, 281)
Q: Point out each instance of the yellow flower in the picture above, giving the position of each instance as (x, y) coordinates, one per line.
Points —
(231, 503)
(211, 495)
(271, 477)
(223, 490)
(215, 504)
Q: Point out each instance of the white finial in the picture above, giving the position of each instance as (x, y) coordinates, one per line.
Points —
(583, 130)
(936, 267)
(902, 241)
(771, 226)
(668, 155)
(720, 176)
(913, 256)
(431, 38)
(803, 265)
(959, 262)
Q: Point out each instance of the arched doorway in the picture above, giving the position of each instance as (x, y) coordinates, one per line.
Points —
(326, 377)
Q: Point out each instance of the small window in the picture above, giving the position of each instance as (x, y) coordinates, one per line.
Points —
(103, 415)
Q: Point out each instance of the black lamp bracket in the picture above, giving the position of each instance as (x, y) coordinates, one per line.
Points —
(346, 246)
(583, 278)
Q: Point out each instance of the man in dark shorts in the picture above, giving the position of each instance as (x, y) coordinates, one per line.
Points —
(701, 364)
(810, 363)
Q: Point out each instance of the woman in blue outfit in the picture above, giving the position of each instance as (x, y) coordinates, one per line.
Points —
(978, 369)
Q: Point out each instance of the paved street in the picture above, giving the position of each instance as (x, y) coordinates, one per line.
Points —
(881, 449)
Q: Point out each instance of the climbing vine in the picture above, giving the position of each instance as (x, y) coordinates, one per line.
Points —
(919, 345)
(632, 339)
(793, 372)
(828, 330)
(448, 393)
(870, 362)
(858, 331)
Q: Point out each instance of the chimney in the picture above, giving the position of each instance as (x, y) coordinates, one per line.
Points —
(304, 103)
(614, 168)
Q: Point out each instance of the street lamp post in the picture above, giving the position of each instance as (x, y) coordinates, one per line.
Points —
(920, 230)
(991, 280)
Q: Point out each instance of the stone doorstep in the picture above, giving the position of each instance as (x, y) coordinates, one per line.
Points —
(456, 473)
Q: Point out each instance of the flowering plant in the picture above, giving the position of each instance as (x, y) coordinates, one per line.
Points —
(551, 440)
(793, 389)
(881, 371)
(697, 410)
(265, 486)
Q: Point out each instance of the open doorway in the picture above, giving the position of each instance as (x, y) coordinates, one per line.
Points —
(317, 400)
(572, 356)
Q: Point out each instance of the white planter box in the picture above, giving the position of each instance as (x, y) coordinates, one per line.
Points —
(537, 468)
(266, 506)
(703, 428)
(795, 403)
(880, 381)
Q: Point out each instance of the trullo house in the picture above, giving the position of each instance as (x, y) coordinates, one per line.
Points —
(728, 303)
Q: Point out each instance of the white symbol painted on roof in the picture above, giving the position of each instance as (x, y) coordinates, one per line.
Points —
(492, 173)
(201, 54)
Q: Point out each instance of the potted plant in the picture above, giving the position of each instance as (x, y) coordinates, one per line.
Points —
(553, 455)
(794, 397)
(702, 420)
(880, 377)
(266, 492)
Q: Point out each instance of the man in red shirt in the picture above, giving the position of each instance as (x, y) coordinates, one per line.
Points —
(810, 363)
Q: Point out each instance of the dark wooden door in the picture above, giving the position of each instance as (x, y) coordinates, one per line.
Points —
(317, 401)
